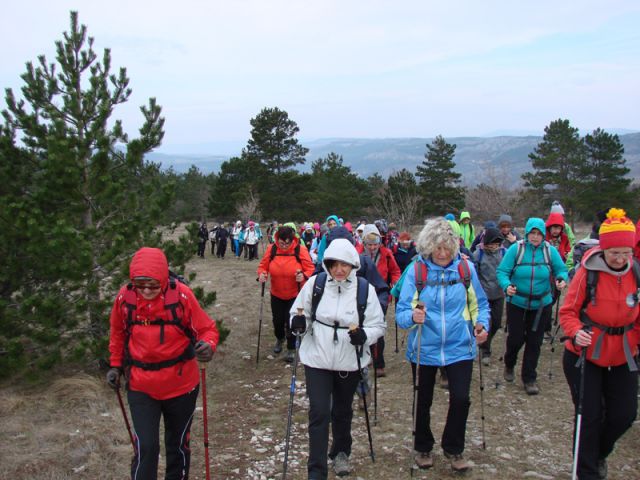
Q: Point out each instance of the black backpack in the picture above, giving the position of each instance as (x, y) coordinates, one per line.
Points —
(296, 253)
(318, 291)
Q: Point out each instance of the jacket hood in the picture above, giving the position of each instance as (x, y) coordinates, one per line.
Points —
(492, 235)
(594, 260)
(150, 262)
(464, 215)
(339, 232)
(505, 219)
(490, 224)
(341, 249)
(334, 218)
(537, 223)
(555, 219)
(370, 228)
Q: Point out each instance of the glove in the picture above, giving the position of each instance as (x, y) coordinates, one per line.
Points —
(113, 377)
(358, 337)
(299, 324)
(204, 352)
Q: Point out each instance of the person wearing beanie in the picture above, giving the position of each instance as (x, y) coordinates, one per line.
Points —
(505, 225)
(524, 274)
(467, 231)
(158, 348)
(486, 260)
(478, 240)
(383, 259)
(557, 208)
(601, 314)
(405, 251)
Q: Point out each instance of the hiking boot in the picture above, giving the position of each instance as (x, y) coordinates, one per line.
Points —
(290, 357)
(380, 372)
(508, 374)
(444, 381)
(602, 468)
(458, 463)
(485, 360)
(277, 348)
(424, 460)
(341, 464)
(531, 388)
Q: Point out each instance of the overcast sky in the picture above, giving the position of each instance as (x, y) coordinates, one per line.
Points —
(353, 68)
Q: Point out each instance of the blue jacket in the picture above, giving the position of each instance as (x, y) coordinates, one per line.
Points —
(532, 276)
(447, 333)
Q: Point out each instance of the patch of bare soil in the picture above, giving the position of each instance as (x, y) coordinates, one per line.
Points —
(73, 428)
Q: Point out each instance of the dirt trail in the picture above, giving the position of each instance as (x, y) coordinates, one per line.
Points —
(74, 428)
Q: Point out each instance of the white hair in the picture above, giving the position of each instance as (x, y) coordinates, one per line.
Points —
(437, 232)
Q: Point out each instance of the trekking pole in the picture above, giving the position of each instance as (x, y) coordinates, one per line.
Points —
(364, 397)
(260, 322)
(552, 341)
(576, 444)
(292, 392)
(416, 383)
(396, 323)
(375, 386)
(203, 375)
(124, 415)
(484, 443)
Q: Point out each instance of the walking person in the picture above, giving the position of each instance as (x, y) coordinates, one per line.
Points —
(158, 331)
(328, 352)
(222, 236)
(251, 238)
(442, 296)
(467, 230)
(405, 251)
(203, 236)
(235, 238)
(383, 259)
(525, 275)
(289, 265)
(213, 238)
(486, 258)
(601, 313)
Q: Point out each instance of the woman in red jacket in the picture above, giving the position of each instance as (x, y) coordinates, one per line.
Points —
(601, 314)
(289, 264)
(388, 268)
(158, 330)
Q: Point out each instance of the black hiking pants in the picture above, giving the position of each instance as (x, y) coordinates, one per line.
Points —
(213, 247)
(201, 248)
(280, 316)
(495, 307)
(520, 332)
(609, 408)
(145, 415)
(330, 397)
(222, 248)
(453, 435)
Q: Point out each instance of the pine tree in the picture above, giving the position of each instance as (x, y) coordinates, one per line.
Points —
(440, 188)
(273, 141)
(559, 163)
(77, 199)
(605, 181)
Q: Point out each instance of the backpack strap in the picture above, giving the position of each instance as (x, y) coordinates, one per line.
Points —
(296, 253)
(465, 272)
(362, 297)
(318, 290)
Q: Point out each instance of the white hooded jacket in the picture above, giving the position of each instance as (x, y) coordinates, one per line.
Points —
(338, 303)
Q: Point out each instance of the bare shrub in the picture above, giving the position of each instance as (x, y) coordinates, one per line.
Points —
(249, 208)
(401, 207)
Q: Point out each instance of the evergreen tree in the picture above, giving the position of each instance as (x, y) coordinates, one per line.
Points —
(77, 199)
(273, 141)
(559, 163)
(440, 187)
(337, 188)
(605, 181)
(239, 177)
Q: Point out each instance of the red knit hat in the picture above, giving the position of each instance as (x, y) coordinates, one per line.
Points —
(617, 230)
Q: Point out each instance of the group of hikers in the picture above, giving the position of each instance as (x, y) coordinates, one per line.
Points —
(330, 288)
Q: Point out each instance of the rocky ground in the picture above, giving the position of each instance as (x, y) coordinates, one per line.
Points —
(72, 427)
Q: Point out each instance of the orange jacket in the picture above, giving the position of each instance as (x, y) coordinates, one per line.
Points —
(610, 310)
(283, 268)
(144, 342)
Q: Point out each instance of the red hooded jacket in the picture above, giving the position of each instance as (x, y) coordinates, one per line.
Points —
(562, 241)
(144, 340)
(386, 264)
(283, 268)
(610, 310)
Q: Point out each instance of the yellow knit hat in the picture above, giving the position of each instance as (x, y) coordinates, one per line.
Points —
(617, 230)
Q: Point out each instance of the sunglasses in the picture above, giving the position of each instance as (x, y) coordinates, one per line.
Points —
(141, 287)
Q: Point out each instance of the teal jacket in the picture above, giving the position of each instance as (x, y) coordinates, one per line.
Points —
(532, 276)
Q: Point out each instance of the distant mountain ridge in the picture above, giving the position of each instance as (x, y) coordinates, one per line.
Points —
(475, 156)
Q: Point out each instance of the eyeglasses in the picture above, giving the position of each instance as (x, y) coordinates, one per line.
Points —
(143, 287)
(617, 255)
(285, 243)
